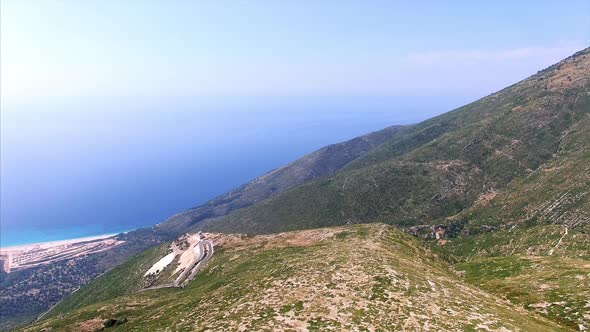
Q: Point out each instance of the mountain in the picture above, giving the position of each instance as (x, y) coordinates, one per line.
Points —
(435, 171)
(323, 162)
(495, 194)
(363, 277)
(27, 293)
(501, 185)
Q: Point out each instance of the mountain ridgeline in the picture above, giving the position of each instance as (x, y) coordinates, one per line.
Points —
(351, 278)
(496, 194)
(444, 171)
(323, 162)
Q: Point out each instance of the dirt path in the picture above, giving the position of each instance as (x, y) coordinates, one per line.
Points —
(558, 242)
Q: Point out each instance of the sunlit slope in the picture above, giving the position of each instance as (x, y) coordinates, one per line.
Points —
(556, 193)
(503, 183)
(347, 278)
(534, 245)
(441, 167)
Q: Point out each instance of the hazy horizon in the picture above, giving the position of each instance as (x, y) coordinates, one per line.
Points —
(117, 115)
(70, 174)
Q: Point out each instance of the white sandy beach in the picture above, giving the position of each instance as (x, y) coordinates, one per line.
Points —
(49, 244)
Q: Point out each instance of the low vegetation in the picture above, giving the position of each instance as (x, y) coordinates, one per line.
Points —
(497, 189)
(365, 277)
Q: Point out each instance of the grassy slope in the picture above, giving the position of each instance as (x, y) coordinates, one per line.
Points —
(554, 286)
(558, 192)
(530, 259)
(540, 267)
(442, 166)
(516, 158)
(355, 277)
(519, 158)
(123, 279)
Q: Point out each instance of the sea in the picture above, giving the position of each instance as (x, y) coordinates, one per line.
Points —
(76, 167)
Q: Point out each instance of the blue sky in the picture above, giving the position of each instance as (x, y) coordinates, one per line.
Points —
(64, 49)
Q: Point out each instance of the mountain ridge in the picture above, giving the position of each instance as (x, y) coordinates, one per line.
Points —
(360, 277)
(18, 305)
(440, 167)
(319, 163)
(497, 188)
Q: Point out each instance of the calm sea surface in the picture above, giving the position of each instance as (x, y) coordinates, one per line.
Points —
(95, 167)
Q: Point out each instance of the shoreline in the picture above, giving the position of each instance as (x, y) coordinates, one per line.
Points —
(53, 243)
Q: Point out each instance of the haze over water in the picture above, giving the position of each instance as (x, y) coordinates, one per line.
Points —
(96, 140)
(127, 164)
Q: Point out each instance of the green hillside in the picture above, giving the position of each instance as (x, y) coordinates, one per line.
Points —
(364, 277)
(125, 278)
(53, 282)
(557, 193)
(540, 268)
(499, 182)
(497, 190)
(441, 167)
(323, 162)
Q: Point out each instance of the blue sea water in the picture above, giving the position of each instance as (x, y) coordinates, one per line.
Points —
(87, 167)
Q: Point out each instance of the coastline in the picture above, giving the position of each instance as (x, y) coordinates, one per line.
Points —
(54, 243)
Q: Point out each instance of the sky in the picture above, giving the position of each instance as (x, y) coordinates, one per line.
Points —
(117, 114)
(63, 49)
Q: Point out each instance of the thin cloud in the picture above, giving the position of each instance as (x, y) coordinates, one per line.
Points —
(552, 53)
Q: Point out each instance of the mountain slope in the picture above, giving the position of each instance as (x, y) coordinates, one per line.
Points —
(499, 187)
(439, 168)
(322, 162)
(487, 181)
(542, 223)
(365, 277)
(18, 304)
(557, 193)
